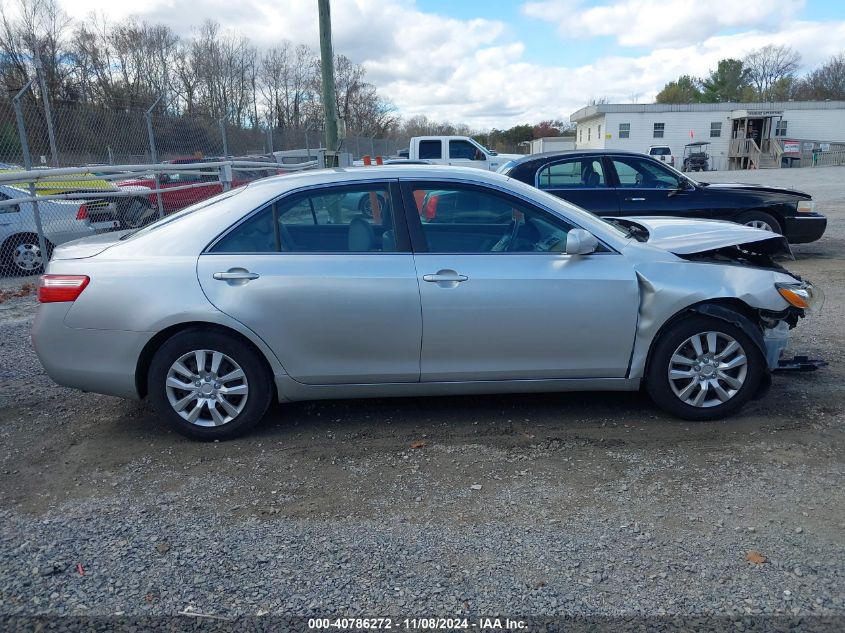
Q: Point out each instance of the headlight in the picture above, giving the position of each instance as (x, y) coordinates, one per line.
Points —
(801, 295)
(806, 206)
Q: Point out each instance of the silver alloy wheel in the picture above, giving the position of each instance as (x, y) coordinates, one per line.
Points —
(760, 224)
(27, 257)
(708, 369)
(207, 388)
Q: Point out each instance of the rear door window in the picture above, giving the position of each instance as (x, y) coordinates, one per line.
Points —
(578, 173)
(352, 219)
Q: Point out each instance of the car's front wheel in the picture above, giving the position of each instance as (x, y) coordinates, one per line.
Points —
(761, 220)
(704, 368)
(208, 385)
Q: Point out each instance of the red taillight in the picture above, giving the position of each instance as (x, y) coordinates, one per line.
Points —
(55, 288)
(82, 214)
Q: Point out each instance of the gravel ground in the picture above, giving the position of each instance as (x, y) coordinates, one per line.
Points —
(573, 504)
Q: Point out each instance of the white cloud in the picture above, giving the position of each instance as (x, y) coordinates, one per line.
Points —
(662, 22)
(475, 71)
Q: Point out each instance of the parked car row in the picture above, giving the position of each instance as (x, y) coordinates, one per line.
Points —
(613, 183)
(61, 220)
(456, 281)
(182, 189)
(72, 219)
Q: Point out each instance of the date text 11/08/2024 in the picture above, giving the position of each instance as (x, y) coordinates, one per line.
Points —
(448, 624)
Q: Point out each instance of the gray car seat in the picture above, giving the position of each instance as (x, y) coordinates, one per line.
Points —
(362, 237)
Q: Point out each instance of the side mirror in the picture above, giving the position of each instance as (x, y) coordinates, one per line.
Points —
(581, 242)
(683, 185)
(479, 155)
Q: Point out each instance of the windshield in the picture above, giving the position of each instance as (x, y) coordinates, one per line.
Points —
(174, 217)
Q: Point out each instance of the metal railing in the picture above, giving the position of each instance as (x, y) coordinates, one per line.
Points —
(833, 158)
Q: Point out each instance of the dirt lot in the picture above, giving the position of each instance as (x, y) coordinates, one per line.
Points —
(518, 505)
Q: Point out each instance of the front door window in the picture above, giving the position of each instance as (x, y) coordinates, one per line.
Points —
(465, 219)
(636, 173)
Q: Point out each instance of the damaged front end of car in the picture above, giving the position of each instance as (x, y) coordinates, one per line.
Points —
(738, 278)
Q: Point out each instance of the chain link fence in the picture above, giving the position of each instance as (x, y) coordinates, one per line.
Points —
(133, 166)
(89, 135)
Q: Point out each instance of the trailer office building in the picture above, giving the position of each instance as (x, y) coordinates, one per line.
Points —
(742, 135)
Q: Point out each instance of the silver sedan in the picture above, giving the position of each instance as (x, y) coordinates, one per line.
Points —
(455, 281)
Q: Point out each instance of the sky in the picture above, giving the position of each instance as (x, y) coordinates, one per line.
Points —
(498, 63)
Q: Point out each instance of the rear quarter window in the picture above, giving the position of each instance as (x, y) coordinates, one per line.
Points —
(430, 150)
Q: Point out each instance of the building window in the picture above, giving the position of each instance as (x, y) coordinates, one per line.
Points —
(598, 134)
(715, 129)
(581, 135)
(624, 130)
(780, 128)
(659, 128)
(589, 133)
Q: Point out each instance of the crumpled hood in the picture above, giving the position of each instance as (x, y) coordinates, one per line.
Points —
(683, 236)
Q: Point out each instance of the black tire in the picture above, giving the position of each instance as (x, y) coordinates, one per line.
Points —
(365, 205)
(657, 376)
(11, 245)
(257, 378)
(137, 213)
(752, 217)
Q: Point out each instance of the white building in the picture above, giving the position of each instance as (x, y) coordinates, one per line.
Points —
(742, 135)
(551, 144)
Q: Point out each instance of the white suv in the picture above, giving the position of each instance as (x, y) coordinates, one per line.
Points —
(662, 152)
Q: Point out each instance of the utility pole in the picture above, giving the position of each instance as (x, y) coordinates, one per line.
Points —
(48, 114)
(327, 71)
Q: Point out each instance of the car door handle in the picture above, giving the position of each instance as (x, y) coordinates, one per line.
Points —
(635, 199)
(442, 276)
(236, 275)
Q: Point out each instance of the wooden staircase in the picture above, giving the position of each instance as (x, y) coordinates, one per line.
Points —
(767, 161)
(746, 154)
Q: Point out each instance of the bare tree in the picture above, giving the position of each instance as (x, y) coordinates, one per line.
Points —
(39, 28)
(825, 82)
(770, 65)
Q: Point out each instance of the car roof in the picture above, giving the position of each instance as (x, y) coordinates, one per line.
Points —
(341, 175)
(575, 153)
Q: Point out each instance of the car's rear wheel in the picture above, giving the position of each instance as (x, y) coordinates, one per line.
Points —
(21, 254)
(208, 385)
(704, 368)
(365, 205)
(761, 220)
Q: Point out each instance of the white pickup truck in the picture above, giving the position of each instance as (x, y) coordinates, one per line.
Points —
(456, 150)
